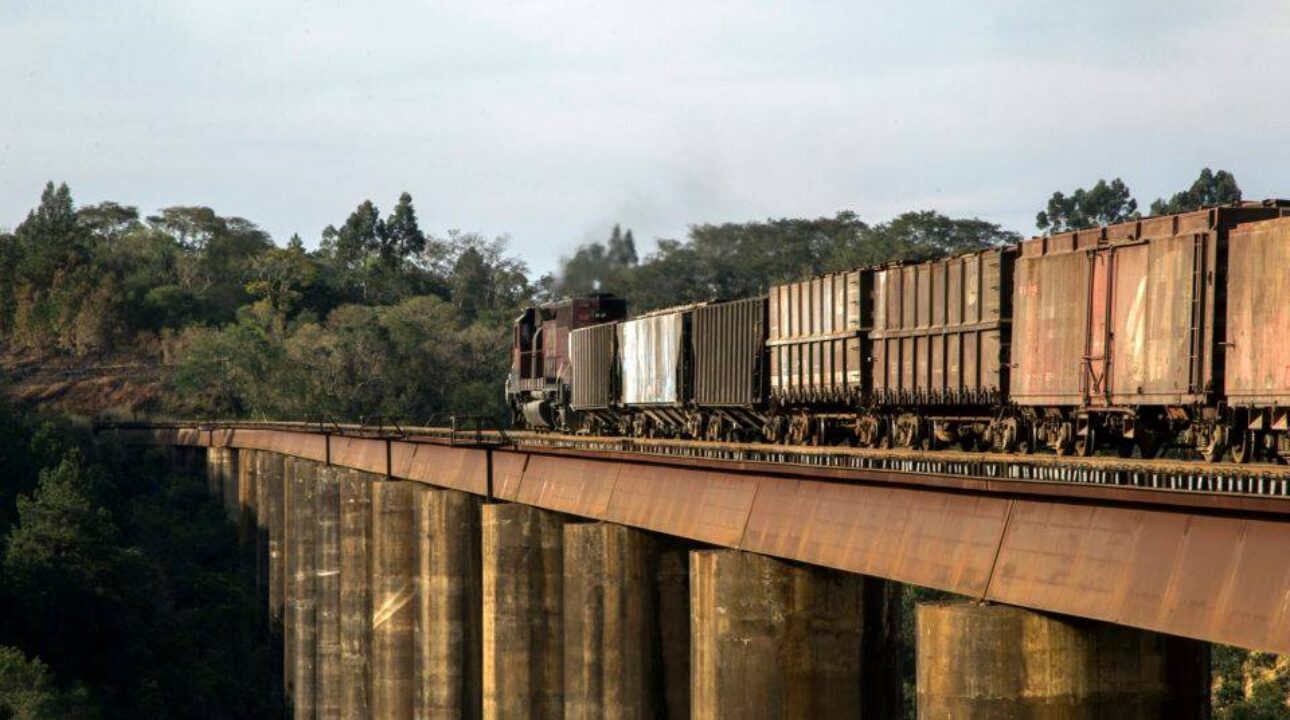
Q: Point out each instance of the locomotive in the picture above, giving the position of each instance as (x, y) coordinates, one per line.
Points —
(1168, 331)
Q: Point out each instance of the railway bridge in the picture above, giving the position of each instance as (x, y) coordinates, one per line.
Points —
(421, 572)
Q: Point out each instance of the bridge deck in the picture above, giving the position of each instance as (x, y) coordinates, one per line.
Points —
(1097, 539)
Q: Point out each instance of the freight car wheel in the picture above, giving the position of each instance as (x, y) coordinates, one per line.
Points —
(1004, 435)
(1243, 449)
(1214, 450)
(1086, 445)
(1063, 443)
(906, 434)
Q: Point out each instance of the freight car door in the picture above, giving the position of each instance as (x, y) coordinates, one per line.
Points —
(1097, 358)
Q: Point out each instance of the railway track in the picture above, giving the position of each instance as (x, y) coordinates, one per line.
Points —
(1174, 475)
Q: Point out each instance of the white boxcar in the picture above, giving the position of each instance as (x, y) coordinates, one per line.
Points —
(652, 358)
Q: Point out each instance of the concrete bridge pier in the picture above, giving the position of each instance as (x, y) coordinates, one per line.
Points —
(523, 596)
(613, 643)
(394, 598)
(772, 639)
(303, 549)
(272, 517)
(988, 662)
(221, 476)
(355, 594)
(246, 500)
(327, 587)
(449, 618)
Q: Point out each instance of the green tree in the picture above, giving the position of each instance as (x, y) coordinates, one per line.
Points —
(28, 691)
(362, 235)
(279, 276)
(920, 235)
(469, 283)
(1209, 190)
(194, 226)
(220, 372)
(1103, 204)
(403, 236)
(108, 222)
(50, 238)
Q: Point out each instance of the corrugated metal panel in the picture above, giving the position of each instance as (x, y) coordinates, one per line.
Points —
(1049, 328)
(1158, 291)
(592, 351)
(1258, 314)
(817, 341)
(650, 359)
(729, 345)
(940, 330)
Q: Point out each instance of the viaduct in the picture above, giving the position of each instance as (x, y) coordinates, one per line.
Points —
(437, 574)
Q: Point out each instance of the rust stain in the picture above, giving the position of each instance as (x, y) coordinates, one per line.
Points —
(1213, 578)
(938, 540)
(570, 485)
(710, 507)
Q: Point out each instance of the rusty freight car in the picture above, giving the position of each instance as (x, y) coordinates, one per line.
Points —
(818, 346)
(1257, 366)
(1119, 333)
(940, 343)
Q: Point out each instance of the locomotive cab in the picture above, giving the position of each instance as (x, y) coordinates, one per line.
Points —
(537, 389)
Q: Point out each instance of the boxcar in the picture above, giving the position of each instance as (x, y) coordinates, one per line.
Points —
(1119, 332)
(594, 384)
(654, 370)
(818, 346)
(729, 350)
(1257, 367)
(940, 338)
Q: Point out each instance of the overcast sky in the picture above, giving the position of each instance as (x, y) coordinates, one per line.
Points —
(550, 121)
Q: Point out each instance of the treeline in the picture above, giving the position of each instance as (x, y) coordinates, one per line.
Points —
(122, 592)
(383, 318)
(734, 260)
(380, 319)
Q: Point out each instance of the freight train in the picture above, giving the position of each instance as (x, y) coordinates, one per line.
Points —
(1170, 331)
